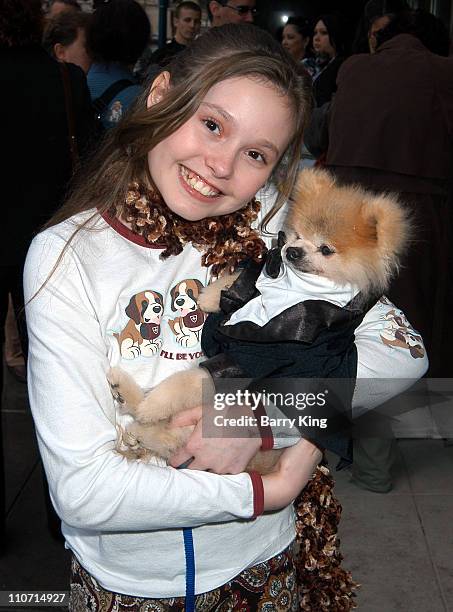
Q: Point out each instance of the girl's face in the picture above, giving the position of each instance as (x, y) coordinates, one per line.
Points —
(321, 40)
(216, 162)
(294, 42)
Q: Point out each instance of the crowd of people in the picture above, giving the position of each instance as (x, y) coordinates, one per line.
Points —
(132, 173)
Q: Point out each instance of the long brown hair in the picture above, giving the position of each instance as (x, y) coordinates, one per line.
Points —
(222, 53)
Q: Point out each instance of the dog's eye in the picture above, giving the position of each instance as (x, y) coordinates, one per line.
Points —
(326, 250)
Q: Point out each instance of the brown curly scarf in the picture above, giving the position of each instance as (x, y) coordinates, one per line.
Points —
(324, 586)
(224, 241)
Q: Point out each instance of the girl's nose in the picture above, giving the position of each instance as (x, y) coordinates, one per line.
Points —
(221, 164)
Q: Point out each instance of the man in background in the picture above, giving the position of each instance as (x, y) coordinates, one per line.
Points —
(231, 11)
(187, 24)
(65, 38)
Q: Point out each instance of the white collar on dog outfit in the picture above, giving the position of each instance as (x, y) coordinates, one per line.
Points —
(289, 288)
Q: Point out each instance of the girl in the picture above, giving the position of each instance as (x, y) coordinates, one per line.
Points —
(167, 203)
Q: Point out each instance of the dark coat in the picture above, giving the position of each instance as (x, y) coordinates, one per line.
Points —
(325, 84)
(391, 129)
(393, 112)
(36, 158)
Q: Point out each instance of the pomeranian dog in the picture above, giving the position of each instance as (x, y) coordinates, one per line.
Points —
(352, 238)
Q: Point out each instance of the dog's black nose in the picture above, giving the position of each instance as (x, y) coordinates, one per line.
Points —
(179, 302)
(293, 253)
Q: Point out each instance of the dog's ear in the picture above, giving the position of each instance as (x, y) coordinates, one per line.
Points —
(310, 182)
(392, 222)
(173, 295)
(159, 298)
(132, 310)
(196, 290)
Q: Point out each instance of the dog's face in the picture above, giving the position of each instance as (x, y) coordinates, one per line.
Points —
(343, 233)
(185, 295)
(146, 307)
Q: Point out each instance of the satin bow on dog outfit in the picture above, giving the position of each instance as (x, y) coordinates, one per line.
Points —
(274, 257)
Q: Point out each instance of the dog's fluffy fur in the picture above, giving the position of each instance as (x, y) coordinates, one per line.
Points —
(340, 232)
(364, 234)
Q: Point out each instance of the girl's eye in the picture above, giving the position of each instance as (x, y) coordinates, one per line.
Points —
(257, 156)
(212, 126)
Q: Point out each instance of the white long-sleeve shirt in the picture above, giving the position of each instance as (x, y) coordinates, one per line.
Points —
(122, 519)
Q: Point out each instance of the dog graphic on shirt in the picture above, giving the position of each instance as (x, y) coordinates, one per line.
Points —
(398, 332)
(188, 325)
(140, 337)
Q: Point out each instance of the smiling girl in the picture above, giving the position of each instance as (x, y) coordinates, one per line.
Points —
(165, 205)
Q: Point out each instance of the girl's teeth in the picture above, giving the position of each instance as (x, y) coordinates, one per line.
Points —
(196, 184)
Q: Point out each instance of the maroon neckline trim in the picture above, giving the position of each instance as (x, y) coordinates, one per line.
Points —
(116, 224)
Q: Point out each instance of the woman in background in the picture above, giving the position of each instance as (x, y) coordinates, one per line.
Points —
(329, 44)
(296, 37)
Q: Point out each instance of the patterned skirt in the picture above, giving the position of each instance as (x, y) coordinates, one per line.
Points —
(306, 576)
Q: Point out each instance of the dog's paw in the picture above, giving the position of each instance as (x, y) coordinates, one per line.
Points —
(114, 380)
(209, 298)
(124, 389)
(151, 348)
(188, 341)
(129, 350)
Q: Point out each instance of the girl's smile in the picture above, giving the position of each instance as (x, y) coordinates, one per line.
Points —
(197, 185)
(216, 162)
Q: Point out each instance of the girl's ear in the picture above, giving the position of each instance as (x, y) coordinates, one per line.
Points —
(159, 88)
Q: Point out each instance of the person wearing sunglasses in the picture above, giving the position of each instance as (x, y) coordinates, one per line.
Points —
(231, 11)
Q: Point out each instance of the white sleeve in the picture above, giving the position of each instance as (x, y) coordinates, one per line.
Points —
(391, 356)
(91, 486)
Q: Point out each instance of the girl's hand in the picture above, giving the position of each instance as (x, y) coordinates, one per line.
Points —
(292, 472)
(223, 455)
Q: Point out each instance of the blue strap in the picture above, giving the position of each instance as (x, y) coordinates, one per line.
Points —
(190, 569)
(190, 557)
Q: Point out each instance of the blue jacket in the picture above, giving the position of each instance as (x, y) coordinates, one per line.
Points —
(100, 77)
